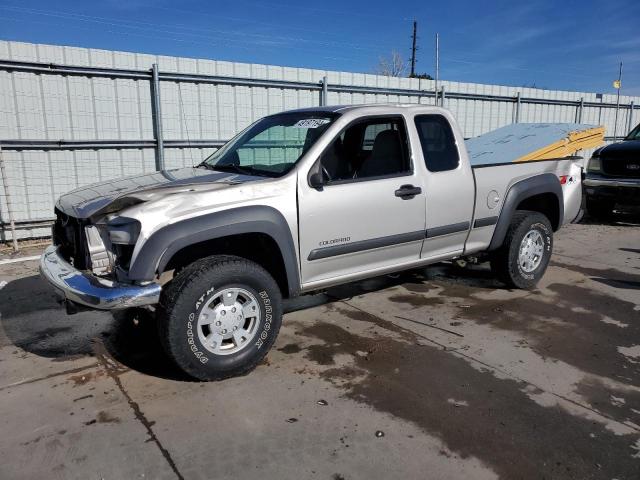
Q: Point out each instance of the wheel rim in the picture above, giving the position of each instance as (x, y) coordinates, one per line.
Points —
(531, 251)
(228, 321)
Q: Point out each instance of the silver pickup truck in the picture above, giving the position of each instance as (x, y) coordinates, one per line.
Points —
(299, 201)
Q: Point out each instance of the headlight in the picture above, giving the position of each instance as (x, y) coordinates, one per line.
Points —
(594, 165)
(123, 230)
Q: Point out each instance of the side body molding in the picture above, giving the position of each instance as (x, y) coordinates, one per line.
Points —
(544, 183)
(162, 245)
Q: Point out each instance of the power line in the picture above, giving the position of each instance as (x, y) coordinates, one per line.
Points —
(200, 39)
(280, 26)
(165, 37)
(299, 6)
(175, 32)
(192, 31)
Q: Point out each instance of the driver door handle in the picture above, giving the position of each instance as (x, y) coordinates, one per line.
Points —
(407, 192)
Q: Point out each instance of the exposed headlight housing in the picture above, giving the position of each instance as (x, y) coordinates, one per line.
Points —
(110, 243)
(123, 233)
(123, 230)
(101, 257)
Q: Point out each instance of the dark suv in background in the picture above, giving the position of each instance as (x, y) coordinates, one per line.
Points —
(613, 176)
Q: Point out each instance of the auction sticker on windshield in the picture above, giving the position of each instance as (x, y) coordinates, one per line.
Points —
(311, 122)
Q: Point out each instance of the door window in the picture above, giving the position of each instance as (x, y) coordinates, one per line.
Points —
(367, 149)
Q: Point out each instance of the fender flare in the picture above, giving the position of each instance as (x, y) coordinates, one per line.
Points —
(156, 252)
(519, 191)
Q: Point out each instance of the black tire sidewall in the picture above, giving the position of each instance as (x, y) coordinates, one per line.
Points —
(533, 222)
(183, 339)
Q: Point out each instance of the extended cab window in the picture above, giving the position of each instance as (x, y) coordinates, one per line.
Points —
(438, 143)
(370, 148)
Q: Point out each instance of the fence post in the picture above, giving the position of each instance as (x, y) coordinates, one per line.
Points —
(579, 111)
(517, 114)
(442, 96)
(599, 95)
(615, 121)
(156, 111)
(324, 98)
(7, 195)
(630, 117)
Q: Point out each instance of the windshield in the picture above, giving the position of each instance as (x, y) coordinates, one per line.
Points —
(272, 145)
(634, 134)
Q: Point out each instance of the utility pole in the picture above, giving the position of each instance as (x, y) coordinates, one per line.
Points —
(437, 64)
(413, 49)
(618, 86)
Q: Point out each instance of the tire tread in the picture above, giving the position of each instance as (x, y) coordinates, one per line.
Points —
(502, 263)
(171, 300)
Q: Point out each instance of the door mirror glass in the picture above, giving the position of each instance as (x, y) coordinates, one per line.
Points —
(316, 181)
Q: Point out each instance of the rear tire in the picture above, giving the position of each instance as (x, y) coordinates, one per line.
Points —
(219, 317)
(525, 253)
(600, 208)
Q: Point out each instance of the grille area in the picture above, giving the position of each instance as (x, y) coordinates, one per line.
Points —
(68, 234)
(621, 167)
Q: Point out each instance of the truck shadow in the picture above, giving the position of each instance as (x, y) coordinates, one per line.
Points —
(621, 217)
(477, 276)
(34, 321)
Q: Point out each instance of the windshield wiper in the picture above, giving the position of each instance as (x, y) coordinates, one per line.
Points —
(234, 168)
(204, 165)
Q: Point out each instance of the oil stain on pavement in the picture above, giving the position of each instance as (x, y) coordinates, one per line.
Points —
(478, 413)
(471, 410)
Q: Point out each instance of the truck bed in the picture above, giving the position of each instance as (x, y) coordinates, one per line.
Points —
(523, 142)
(495, 179)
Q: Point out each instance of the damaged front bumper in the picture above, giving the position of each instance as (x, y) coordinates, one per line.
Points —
(87, 290)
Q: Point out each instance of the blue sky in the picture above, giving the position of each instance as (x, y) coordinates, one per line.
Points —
(561, 44)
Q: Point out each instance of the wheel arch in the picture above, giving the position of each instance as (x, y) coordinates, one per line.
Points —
(541, 193)
(249, 232)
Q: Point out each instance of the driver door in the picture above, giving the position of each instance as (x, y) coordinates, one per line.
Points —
(369, 214)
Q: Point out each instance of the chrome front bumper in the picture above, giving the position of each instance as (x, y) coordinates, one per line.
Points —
(91, 291)
(610, 182)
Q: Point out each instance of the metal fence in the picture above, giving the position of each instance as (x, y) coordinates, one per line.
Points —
(71, 116)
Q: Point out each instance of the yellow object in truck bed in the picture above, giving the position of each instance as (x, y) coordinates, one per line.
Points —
(576, 140)
(525, 142)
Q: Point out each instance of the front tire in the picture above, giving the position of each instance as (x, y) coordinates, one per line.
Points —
(525, 253)
(219, 317)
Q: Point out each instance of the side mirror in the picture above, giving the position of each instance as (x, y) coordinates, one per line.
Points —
(316, 181)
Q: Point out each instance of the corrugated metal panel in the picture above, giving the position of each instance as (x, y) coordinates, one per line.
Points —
(72, 107)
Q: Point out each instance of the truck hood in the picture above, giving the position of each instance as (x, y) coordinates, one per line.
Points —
(113, 195)
(628, 149)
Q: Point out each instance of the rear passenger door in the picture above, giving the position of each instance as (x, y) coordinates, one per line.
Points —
(449, 186)
(370, 213)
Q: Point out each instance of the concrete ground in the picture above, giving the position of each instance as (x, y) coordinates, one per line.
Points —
(434, 374)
